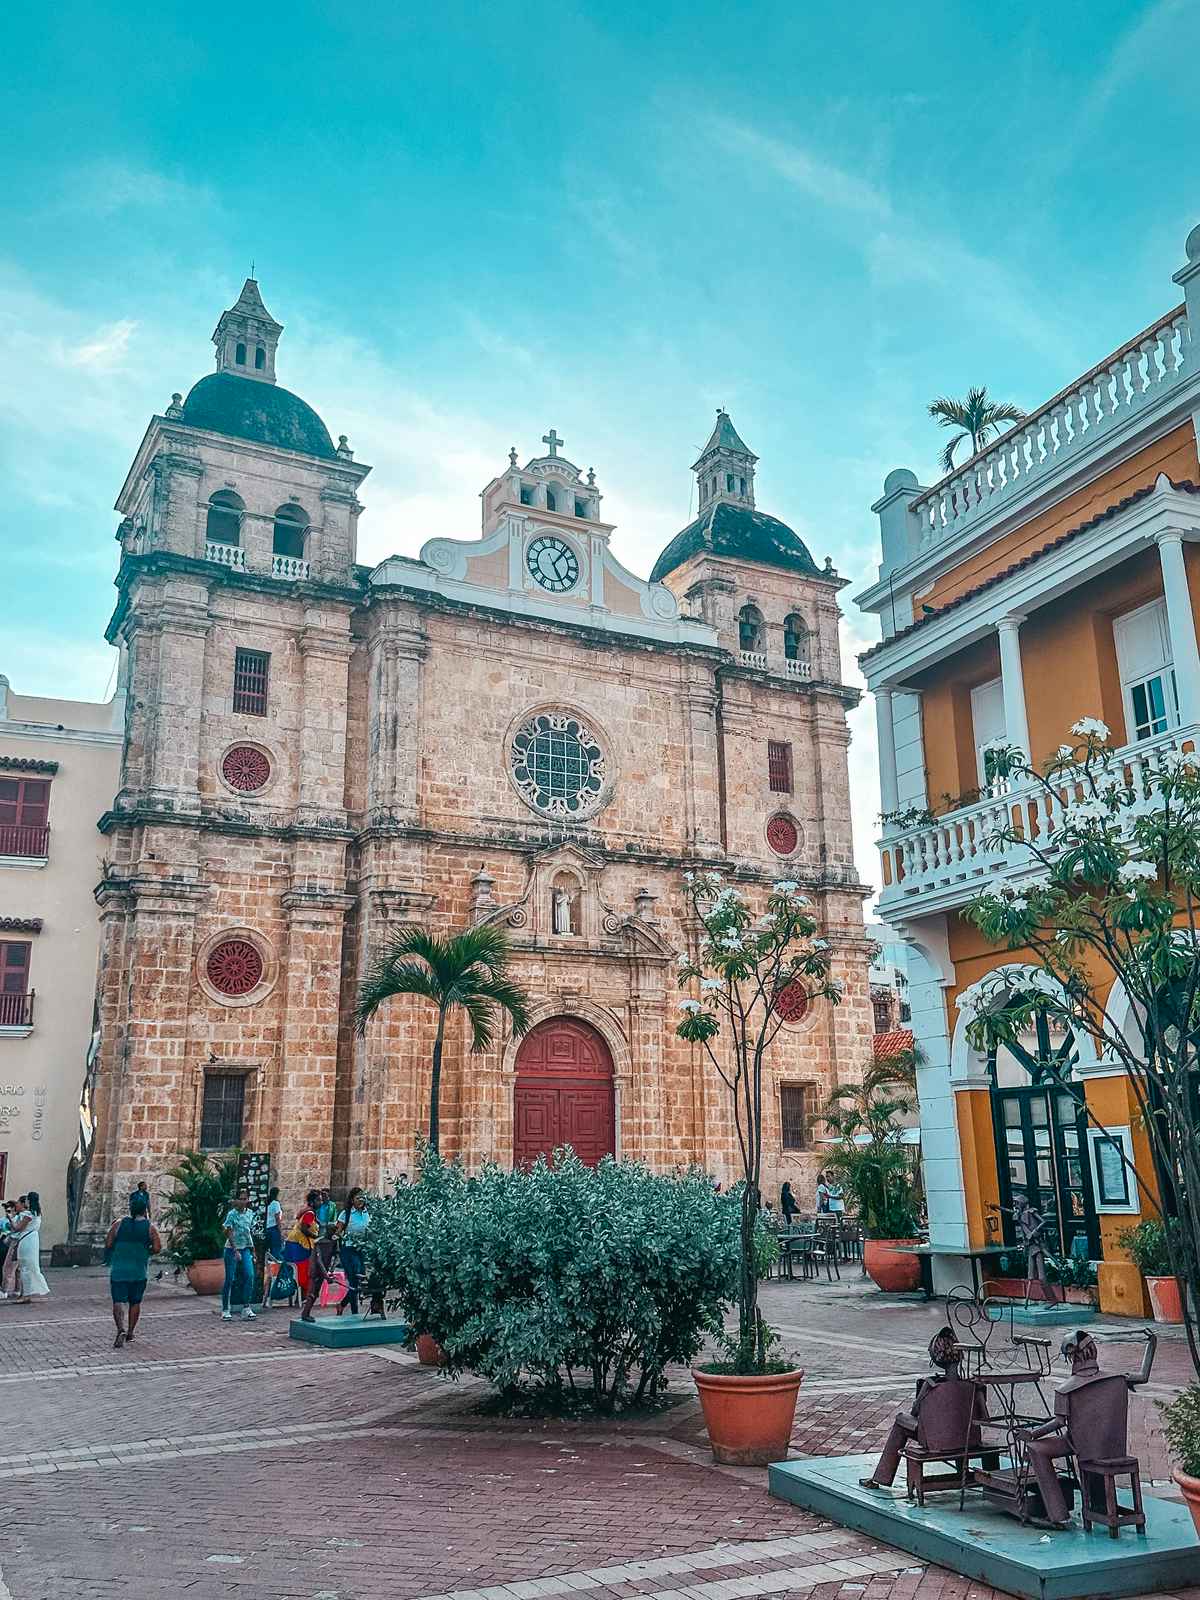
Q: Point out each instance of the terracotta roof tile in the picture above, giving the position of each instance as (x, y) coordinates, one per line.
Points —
(890, 1045)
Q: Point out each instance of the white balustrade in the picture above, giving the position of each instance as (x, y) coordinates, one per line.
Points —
(755, 659)
(226, 555)
(951, 856)
(798, 669)
(288, 567)
(1127, 381)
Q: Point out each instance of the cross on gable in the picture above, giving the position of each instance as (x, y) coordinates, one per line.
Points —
(553, 441)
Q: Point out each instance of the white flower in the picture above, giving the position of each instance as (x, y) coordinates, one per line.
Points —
(1090, 727)
(711, 983)
(689, 877)
(1088, 811)
(1001, 743)
(820, 944)
(784, 886)
(732, 941)
(683, 960)
(1018, 902)
(691, 1007)
(1133, 871)
(1065, 752)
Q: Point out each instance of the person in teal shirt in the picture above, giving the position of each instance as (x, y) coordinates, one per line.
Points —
(239, 1257)
(128, 1248)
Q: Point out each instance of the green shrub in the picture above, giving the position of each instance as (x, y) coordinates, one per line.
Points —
(575, 1283)
(192, 1216)
(1148, 1249)
(1182, 1416)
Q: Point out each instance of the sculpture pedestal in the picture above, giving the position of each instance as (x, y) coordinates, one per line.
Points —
(982, 1542)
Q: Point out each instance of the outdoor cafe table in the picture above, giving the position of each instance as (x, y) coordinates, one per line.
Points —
(977, 1255)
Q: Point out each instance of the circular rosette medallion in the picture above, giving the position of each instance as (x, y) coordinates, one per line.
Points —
(783, 835)
(245, 768)
(234, 967)
(558, 765)
(792, 1002)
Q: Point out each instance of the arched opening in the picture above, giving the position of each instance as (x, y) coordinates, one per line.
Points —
(563, 1093)
(750, 629)
(565, 904)
(260, 359)
(551, 499)
(239, 355)
(795, 638)
(291, 524)
(224, 521)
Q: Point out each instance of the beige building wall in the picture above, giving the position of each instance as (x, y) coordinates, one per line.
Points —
(47, 901)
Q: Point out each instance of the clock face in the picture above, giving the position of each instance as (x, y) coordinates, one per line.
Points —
(553, 564)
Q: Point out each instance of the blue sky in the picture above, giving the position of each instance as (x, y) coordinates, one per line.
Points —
(478, 221)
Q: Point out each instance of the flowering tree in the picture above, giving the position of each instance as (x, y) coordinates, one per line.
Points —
(1104, 884)
(744, 964)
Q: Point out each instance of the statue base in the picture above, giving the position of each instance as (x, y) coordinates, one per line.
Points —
(1040, 1314)
(983, 1542)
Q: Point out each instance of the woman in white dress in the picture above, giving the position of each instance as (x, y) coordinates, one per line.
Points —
(29, 1243)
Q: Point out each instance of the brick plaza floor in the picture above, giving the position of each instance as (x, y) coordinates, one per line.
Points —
(210, 1459)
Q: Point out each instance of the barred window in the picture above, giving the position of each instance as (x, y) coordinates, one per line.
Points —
(779, 766)
(222, 1117)
(798, 1110)
(251, 669)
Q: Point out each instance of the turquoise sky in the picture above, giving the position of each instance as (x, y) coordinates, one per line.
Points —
(476, 221)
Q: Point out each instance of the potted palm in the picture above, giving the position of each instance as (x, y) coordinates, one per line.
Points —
(1149, 1246)
(872, 1161)
(1182, 1416)
(465, 971)
(191, 1217)
(751, 971)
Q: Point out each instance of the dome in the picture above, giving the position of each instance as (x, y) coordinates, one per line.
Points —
(244, 408)
(741, 533)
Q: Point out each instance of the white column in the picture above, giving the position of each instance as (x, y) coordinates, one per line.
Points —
(1181, 624)
(1016, 723)
(889, 793)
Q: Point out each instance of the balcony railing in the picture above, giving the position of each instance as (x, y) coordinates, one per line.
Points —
(226, 555)
(19, 839)
(1126, 382)
(756, 659)
(798, 669)
(16, 1010)
(944, 862)
(289, 567)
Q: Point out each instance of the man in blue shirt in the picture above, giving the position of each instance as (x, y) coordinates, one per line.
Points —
(239, 1256)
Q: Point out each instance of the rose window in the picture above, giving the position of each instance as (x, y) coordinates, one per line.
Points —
(245, 768)
(792, 1002)
(235, 967)
(558, 765)
(783, 835)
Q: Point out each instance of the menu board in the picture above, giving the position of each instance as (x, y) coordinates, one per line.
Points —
(254, 1175)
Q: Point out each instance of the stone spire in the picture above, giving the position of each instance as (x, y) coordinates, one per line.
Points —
(725, 468)
(246, 337)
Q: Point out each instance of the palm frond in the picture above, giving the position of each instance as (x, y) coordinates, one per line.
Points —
(977, 417)
(947, 457)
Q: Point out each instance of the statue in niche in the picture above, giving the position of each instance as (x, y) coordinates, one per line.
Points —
(564, 905)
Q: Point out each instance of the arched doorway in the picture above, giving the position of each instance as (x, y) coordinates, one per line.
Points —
(564, 1092)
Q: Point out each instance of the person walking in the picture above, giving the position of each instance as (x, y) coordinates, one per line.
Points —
(8, 1250)
(273, 1253)
(128, 1248)
(29, 1247)
(353, 1224)
(239, 1257)
(787, 1205)
(298, 1247)
(822, 1193)
(324, 1254)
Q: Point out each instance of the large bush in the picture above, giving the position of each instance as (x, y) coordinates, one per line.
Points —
(579, 1282)
(192, 1216)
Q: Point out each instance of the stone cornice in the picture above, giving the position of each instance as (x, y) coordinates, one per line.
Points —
(151, 816)
(843, 692)
(26, 763)
(165, 894)
(20, 924)
(304, 897)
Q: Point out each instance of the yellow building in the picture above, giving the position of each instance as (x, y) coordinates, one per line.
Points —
(1055, 575)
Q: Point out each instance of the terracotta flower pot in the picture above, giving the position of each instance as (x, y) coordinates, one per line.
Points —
(1190, 1488)
(429, 1351)
(749, 1420)
(207, 1277)
(1165, 1300)
(894, 1273)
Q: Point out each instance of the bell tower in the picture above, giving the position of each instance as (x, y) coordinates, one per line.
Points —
(246, 337)
(725, 469)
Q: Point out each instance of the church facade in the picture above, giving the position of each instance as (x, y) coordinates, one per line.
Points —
(511, 729)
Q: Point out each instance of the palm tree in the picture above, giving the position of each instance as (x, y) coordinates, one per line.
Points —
(977, 418)
(468, 969)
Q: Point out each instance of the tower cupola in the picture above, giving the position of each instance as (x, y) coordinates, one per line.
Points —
(246, 337)
(725, 469)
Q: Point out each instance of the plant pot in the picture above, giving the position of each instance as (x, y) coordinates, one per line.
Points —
(1190, 1489)
(207, 1277)
(1166, 1302)
(749, 1419)
(429, 1351)
(890, 1271)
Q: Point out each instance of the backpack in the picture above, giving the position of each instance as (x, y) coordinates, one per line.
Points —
(284, 1285)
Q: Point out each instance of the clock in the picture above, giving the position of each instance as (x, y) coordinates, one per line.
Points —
(553, 564)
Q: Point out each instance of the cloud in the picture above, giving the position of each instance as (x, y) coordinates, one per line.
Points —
(104, 350)
(822, 180)
(105, 188)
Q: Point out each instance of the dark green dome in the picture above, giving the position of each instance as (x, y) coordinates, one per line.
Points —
(743, 534)
(244, 408)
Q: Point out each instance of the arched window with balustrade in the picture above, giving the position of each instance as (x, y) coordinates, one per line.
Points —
(224, 522)
(291, 525)
(750, 629)
(795, 638)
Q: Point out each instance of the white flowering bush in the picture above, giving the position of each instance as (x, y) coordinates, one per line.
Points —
(746, 957)
(1107, 886)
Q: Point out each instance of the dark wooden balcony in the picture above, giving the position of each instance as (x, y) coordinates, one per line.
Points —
(21, 839)
(16, 1010)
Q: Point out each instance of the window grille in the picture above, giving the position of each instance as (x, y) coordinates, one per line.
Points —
(223, 1115)
(798, 1109)
(779, 766)
(250, 672)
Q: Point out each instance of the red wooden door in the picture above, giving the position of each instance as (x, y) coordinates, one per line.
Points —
(564, 1093)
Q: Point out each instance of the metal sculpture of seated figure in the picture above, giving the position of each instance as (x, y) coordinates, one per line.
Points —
(943, 1424)
(1090, 1432)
